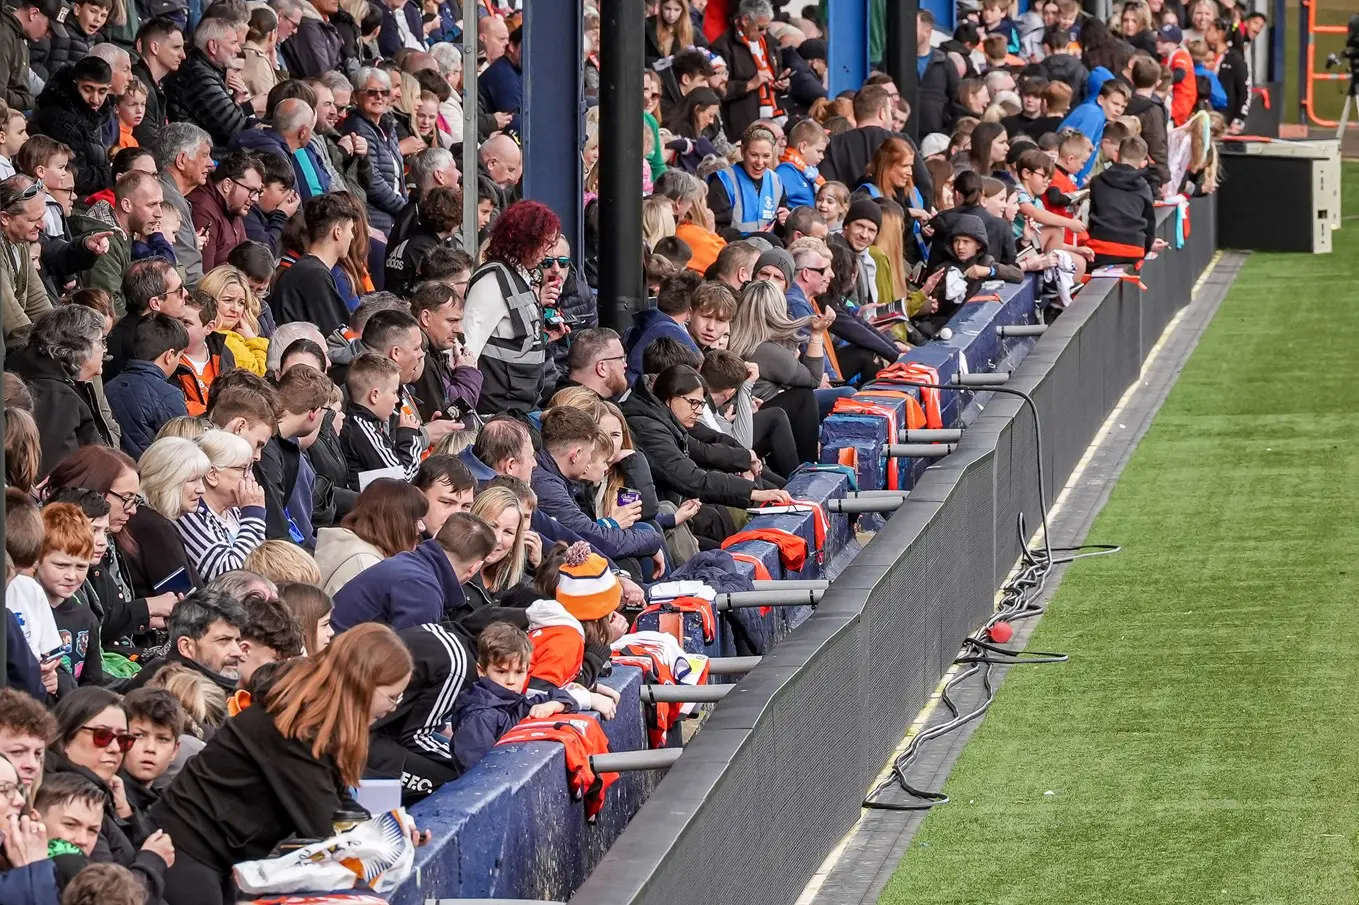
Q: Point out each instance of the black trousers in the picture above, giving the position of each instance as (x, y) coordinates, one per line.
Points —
(191, 882)
(800, 405)
(773, 440)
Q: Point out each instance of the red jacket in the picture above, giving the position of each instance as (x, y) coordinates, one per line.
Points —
(225, 232)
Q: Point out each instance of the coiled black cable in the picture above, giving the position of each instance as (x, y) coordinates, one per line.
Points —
(1018, 600)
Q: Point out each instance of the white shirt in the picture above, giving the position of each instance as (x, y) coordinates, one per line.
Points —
(26, 599)
(403, 28)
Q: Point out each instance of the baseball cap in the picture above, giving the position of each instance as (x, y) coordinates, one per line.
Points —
(934, 143)
(54, 10)
(1170, 33)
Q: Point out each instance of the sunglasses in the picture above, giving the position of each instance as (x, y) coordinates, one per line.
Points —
(562, 262)
(376, 92)
(102, 737)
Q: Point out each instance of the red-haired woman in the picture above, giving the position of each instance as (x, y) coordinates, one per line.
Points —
(503, 326)
(891, 174)
(281, 767)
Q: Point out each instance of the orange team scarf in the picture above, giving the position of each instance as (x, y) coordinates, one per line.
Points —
(819, 523)
(581, 738)
(828, 347)
(852, 405)
(792, 156)
(764, 63)
(909, 373)
(761, 573)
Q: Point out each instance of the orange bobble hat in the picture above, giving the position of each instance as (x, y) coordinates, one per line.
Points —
(586, 588)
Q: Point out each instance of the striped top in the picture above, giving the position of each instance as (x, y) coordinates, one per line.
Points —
(210, 542)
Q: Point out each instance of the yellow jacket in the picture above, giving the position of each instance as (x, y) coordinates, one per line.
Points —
(251, 354)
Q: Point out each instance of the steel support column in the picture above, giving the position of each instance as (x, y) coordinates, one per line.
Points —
(847, 44)
(554, 113)
(900, 57)
(622, 289)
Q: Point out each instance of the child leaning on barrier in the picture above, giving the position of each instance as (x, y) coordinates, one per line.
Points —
(501, 697)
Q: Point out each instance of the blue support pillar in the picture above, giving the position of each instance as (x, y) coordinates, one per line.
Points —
(554, 113)
(847, 45)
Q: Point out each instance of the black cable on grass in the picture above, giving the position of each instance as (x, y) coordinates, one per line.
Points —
(1018, 600)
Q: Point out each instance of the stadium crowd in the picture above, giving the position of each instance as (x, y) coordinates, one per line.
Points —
(304, 486)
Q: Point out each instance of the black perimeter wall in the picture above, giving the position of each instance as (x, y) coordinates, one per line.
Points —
(775, 778)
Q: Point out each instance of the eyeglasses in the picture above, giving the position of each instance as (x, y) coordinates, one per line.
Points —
(563, 262)
(251, 190)
(130, 501)
(102, 737)
(394, 700)
(11, 790)
(695, 404)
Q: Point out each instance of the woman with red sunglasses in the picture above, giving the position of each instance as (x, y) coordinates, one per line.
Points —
(92, 739)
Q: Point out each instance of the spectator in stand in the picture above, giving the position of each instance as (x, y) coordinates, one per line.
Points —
(28, 876)
(440, 217)
(64, 355)
(377, 434)
(372, 121)
(1151, 113)
(133, 216)
(316, 47)
(503, 325)
(1110, 99)
(966, 257)
(419, 586)
(270, 635)
(288, 139)
(238, 317)
(160, 51)
(1233, 71)
(766, 336)
(311, 607)
(597, 362)
(517, 550)
(25, 24)
(501, 697)
(228, 523)
(277, 745)
(1122, 209)
(148, 286)
(660, 417)
(283, 560)
(668, 318)
(938, 82)
(1184, 92)
(114, 475)
(156, 720)
(207, 354)
(1136, 26)
(205, 635)
(574, 451)
(388, 518)
(141, 396)
(306, 291)
(749, 198)
(172, 472)
(219, 206)
(76, 110)
(65, 553)
(91, 741)
(449, 384)
(501, 85)
(756, 73)
(184, 158)
(278, 202)
(197, 92)
(849, 153)
(798, 167)
(22, 211)
(448, 487)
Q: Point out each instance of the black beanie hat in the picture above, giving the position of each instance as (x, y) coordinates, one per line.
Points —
(864, 209)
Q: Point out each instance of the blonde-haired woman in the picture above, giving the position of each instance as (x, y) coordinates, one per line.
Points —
(228, 524)
(172, 483)
(238, 316)
(504, 568)
(764, 334)
(670, 31)
(658, 220)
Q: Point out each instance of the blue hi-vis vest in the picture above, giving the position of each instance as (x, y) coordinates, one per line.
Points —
(752, 209)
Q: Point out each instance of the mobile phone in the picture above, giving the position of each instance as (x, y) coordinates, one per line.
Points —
(55, 653)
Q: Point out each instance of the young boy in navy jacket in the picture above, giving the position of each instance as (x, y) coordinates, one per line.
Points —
(376, 435)
(141, 396)
(501, 697)
(1122, 209)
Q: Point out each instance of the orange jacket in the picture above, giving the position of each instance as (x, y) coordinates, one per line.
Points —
(1185, 93)
(581, 737)
(705, 246)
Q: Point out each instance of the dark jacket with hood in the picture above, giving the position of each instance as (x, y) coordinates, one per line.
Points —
(1000, 236)
(277, 471)
(557, 497)
(938, 88)
(142, 400)
(971, 226)
(405, 255)
(64, 46)
(387, 189)
(63, 114)
(306, 292)
(315, 48)
(659, 436)
(486, 711)
(408, 589)
(14, 62)
(1122, 208)
(196, 92)
(1152, 114)
(65, 409)
(1065, 67)
(653, 324)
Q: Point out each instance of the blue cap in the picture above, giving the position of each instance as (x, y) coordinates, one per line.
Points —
(1170, 33)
